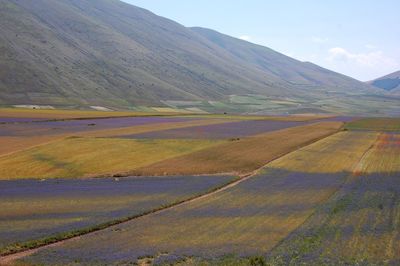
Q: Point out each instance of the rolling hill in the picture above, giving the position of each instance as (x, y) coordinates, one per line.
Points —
(389, 82)
(81, 53)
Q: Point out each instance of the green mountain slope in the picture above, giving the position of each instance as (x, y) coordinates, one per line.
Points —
(109, 53)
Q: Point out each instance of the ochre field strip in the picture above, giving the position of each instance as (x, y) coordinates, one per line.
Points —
(76, 114)
(73, 114)
(242, 156)
(94, 157)
(328, 128)
(344, 147)
(10, 145)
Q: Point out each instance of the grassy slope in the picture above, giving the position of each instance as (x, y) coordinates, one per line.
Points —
(305, 75)
(110, 53)
(149, 59)
(389, 82)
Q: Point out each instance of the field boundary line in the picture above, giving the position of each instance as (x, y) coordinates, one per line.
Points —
(7, 258)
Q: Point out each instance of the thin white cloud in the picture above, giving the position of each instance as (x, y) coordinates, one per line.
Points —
(245, 37)
(370, 46)
(363, 66)
(317, 39)
(370, 59)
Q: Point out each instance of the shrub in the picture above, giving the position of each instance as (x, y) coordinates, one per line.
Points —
(257, 261)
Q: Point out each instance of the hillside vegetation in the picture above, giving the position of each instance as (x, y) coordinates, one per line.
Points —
(81, 53)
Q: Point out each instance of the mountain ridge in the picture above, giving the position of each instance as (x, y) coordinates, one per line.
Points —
(110, 53)
(264, 56)
(390, 82)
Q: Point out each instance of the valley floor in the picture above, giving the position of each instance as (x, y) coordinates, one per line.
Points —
(213, 190)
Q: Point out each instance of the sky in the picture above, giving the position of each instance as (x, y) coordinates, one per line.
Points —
(359, 38)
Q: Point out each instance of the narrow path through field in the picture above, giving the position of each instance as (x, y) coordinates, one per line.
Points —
(9, 259)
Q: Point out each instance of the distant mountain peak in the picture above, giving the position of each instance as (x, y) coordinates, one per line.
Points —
(389, 82)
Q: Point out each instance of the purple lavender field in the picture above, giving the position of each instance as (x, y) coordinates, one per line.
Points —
(68, 126)
(32, 209)
(248, 219)
(8, 120)
(359, 226)
(219, 131)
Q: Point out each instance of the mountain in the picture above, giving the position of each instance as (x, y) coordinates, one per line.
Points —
(109, 53)
(389, 82)
(298, 74)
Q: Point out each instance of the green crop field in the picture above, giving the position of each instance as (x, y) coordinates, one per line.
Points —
(375, 124)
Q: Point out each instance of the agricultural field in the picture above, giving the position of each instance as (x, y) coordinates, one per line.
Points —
(81, 125)
(20, 136)
(219, 131)
(33, 211)
(375, 124)
(335, 154)
(198, 189)
(360, 225)
(84, 148)
(336, 102)
(248, 219)
(29, 114)
(84, 157)
(242, 155)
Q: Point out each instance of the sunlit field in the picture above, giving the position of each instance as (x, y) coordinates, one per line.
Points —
(84, 157)
(34, 212)
(243, 155)
(199, 133)
(359, 225)
(377, 124)
(198, 189)
(249, 219)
